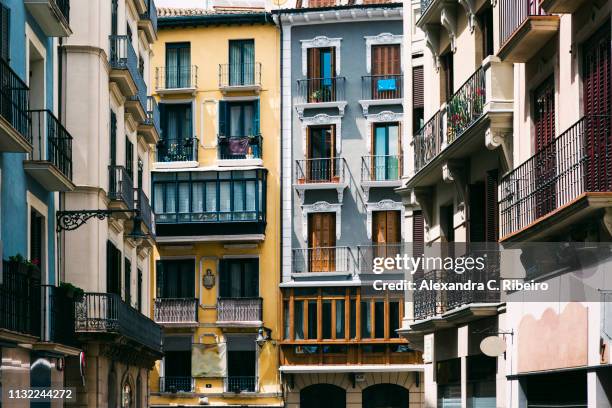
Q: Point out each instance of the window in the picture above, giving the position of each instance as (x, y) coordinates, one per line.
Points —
(386, 151)
(178, 65)
(544, 122)
(5, 42)
(486, 23)
(418, 96)
(321, 73)
(113, 269)
(176, 279)
(113, 138)
(139, 291)
(127, 282)
(37, 240)
(241, 62)
(448, 375)
(322, 242)
(447, 75)
(386, 71)
(321, 164)
(177, 143)
(241, 363)
(239, 278)
(114, 16)
(386, 233)
(129, 157)
(239, 130)
(176, 364)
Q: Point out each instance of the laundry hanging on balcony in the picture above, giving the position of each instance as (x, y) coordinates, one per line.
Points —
(386, 85)
(239, 146)
(208, 360)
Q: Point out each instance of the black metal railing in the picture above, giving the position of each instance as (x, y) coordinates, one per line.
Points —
(144, 209)
(320, 90)
(428, 141)
(240, 309)
(240, 147)
(123, 56)
(176, 77)
(121, 186)
(367, 253)
(240, 383)
(466, 106)
(58, 316)
(150, 14)
(381, 86)
(576, 162)
(14, 100)
(425, 5)
(428, 303)
(245, 74)
(107, 313)
(52, 142)
(323, 259)
(64, 7)
(381, 168)
(308, 171)
(513, 13)
(177, 149)
(19, 300)
(458, 298)
(174, 384)
(175, 310)
(153, 118)
(141, 92)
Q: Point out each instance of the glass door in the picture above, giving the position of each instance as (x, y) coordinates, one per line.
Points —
(386, 157)
(242, 62)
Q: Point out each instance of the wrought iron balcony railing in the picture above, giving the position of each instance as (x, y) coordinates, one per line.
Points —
(175, 310)
(240, 75)
(466, 106)
(58, 316)
(240, 383)
(19, 300)
(320, 90)
(174, 384)
(513, 13)
(153, 118)
(14, 100)
(150, 14)
(367, 253)
(381, 86)
(107, 313)
(309, 171)
(381, 168)
(64, 7)
(144, 209)
(177, 149)
(176, 77)
(429, 303)
(428, 141)
(141, 92)
(575, 162)
(123, 56)
(239, 309)
(323, 259)
(425, 5)
(121, 186)
(52, 142)
(241, 147)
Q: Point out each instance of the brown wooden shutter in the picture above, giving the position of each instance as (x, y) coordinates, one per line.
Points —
(386, 59)
(322, 241)
(491, 207)
(544, 114)
(545, 170)
(418, 238)
(417, 87)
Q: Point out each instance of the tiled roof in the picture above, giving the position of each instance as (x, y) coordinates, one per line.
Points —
(182, 12)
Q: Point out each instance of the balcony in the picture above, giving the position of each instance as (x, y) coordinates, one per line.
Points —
(355, 357)
(19, 304)
(323, 262)
(248, 149)
(145, 212)
(477, 117)
(148, 21)
(102, 315)
(176, 384)
(240, 77)
(121, 188)
(561, 184)
(238, 384)
(367, 253)
(380, 90)
(124, 66)
(15, 133)
(321, 174)
(176, 80)
(561, 6)
(176, 312)
(320, 93)
(50, 162)
(380, 171)
(177, 150)
(53, 16)
(150, 129)
(524, 29)
(58, 335)
(138, 105)
(239, 312)
(218, 205)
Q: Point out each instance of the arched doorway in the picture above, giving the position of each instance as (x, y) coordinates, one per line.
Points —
(40, 376)
(327, 395)
(385, 396)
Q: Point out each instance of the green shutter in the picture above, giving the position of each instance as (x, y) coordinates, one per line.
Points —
(159, 274)
(223, 118)
(5, 18)
(256, 121)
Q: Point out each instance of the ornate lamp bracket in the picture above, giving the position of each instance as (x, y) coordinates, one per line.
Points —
(73, 219)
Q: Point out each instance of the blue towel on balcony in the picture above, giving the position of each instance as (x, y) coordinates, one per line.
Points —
(386, 85)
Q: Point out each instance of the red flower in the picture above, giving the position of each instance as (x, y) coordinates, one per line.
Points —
(36, 261)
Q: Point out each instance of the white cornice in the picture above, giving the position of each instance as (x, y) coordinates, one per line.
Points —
(342, 15)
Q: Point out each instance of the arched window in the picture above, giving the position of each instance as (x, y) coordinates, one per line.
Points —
(127, 394)
(385, 396)
(318, 395)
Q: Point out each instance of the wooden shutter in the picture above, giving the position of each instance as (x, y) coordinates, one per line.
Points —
(223, 126)
(322, 241)
(545, 171)
(386, 59)
(256, 119)
(5, 27)
(113, 269)
(417, 87)
(596, 72)
(491, 207)
(418, 238)
(477, 212)
(314, 62)
(544, 114)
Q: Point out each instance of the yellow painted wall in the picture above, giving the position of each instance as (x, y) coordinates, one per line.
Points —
(209, 48)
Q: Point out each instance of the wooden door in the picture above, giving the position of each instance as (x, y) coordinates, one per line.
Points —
(545, 164)
(322, 242)
(386, 233)
(321, 70)
(386, 66)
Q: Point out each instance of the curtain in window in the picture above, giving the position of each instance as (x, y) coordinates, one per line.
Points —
(242, 62)
(197, 198)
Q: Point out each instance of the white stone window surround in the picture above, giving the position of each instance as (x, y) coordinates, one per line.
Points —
(382, 117)
(384, 205)
(320, 42)
(382, 39)
(321, 207)
(322, 119)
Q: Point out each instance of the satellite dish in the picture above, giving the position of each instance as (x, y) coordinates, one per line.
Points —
(493, 346)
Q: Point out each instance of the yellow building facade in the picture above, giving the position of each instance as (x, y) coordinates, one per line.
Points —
(216, 193)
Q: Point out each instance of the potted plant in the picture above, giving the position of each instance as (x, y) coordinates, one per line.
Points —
(73, 292)
(316, 96)
(21, 265)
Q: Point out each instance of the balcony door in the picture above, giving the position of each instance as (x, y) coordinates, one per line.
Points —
(241, 363)
(37, 243)
(113, 269)
(386, 151)
(238, 124)
(321, 69)
(386, 66)
(177, 364)
(321, 166)
(386, 233)
(545, 166)
(178, 65)
(176, 279)
(176, 139)
(239, 278)
(322, 242)
(241, 62)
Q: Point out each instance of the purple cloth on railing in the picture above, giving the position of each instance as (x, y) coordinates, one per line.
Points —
(238, 146)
